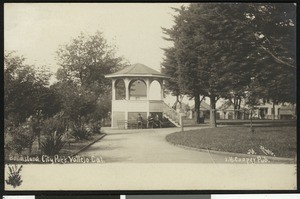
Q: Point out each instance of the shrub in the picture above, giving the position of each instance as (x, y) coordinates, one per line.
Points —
(14, 177)
(81, 132)
(52, 125)
(95, 127)
(52, 144)
(19, 138)
(53, 130)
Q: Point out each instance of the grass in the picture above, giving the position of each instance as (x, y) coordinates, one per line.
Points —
(191, 122)
(238, 139)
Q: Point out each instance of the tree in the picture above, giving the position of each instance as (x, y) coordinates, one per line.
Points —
(275, 83)
(24, 88)
(170, 68)
(183, 80)
(27, 93)
(77, 102)
(84, 62)
(273, 25)
(210, 46)
(221, 47)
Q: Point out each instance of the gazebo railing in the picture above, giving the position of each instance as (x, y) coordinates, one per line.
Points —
(171, 113)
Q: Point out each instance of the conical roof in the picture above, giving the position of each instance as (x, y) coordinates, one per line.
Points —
(137, 70)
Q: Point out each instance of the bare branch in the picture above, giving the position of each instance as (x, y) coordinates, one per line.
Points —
(276, 58)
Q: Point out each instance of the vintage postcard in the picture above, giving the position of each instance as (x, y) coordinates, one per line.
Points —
(150, 96)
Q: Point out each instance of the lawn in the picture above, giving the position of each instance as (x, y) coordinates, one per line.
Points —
(238, 139)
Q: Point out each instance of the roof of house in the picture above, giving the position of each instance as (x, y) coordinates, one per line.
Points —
(137, 70)
(203, 106)
(226, 105)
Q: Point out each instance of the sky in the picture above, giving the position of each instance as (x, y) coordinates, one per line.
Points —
(36, 30)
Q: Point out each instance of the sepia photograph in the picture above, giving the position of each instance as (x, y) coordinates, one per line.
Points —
(150, 96)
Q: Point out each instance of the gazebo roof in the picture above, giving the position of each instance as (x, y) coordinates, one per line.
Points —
(137, 70)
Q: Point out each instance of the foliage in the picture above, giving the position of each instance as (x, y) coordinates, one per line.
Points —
(14, 177)
(52, 144)
(26, 89)
(84, 90)
(274, 28)
(208, 53)
(95, 126)
(26, 95)
(219, 49)
(53, 129)
(21, 137)
(81, 132)
(170, 68)
(86, 60)
(54, 124)
(77, 102)
(273, 25)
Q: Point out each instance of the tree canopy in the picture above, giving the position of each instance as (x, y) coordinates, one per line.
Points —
(219, 48)
(26, 89)
(84, 62)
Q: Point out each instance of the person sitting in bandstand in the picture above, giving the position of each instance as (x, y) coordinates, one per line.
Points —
(139, 121)
(150, 121)
(156, 121)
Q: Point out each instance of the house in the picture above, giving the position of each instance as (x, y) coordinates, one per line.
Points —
(282, 111)
(227, 111)
(262, 111)
(204, 110)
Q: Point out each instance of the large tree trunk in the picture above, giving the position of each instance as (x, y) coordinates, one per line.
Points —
(213, 122)
(197, 108)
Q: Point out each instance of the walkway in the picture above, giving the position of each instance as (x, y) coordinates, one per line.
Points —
(146, 146)
(150, 146)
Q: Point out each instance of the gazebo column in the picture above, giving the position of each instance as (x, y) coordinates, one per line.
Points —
(127, 81)
(113, 89)
(148, 96)
(113, 98)
(162, 89)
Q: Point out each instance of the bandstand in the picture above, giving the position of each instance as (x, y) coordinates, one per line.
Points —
(136, 89)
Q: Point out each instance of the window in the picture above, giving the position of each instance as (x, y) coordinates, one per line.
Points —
(155, 91)
(120, 89)
(137, 90)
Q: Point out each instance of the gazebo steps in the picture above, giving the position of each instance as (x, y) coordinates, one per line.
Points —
(172, 121)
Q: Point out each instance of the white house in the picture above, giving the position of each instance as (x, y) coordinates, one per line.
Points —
(262, 111)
